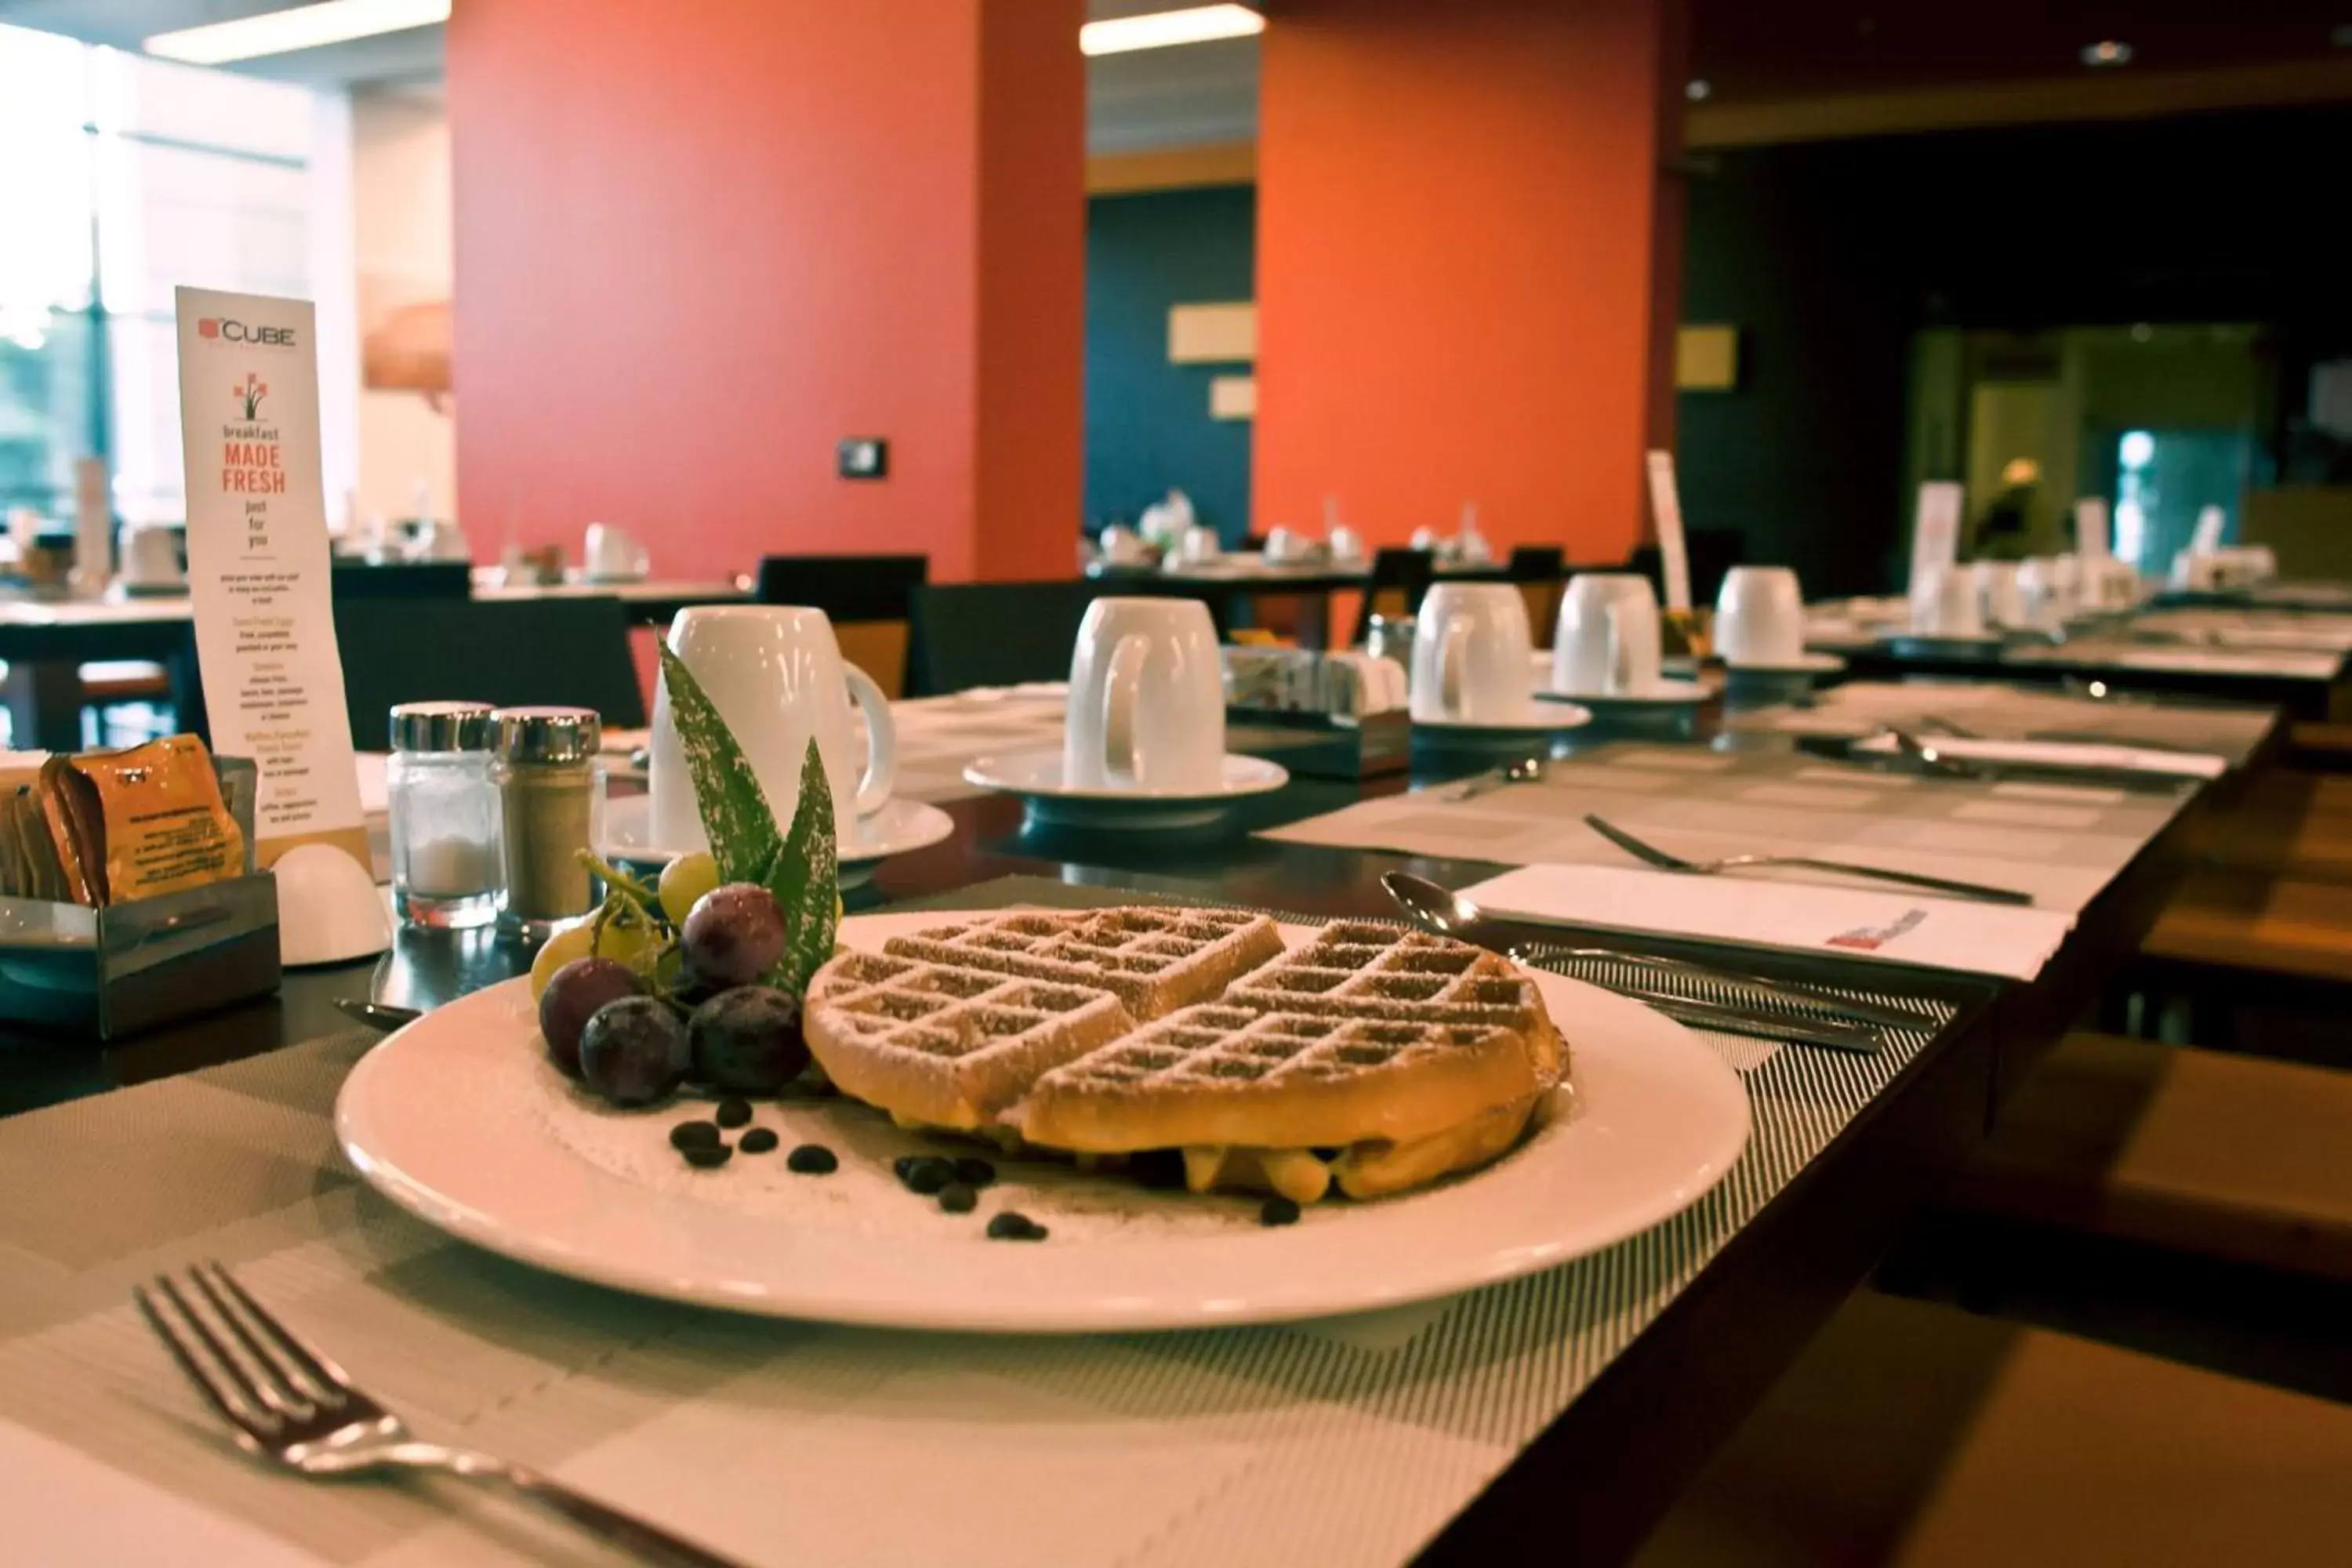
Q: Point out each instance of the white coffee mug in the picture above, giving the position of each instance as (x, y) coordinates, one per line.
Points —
(1147, 706)
(608, 553)
(1606, 641)
(1944, 603)
(1199, 544)
(2066, 582)
(776, 676)
(1121, 546)
(1285, 544)
(1999, 599)
(1760, 617)
(1347, 544)
(1471, 656)
(150, 555)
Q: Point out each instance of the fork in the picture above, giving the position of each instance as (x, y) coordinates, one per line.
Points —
(1665, 862)
(286, 1401)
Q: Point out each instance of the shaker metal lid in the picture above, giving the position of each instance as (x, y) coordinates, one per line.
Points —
(441, 727)
(549, 734)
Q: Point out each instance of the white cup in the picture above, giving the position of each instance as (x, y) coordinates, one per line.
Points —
(1760, 617)
(776, 676)
(1199, 545)
(609, 553)
(150, 555)
(2066, 582)
(1122, 545)
(1146, 707)
(1425, 539)
(2037, 586)
(1471, 655)
(2000, 602)
(438, 539)
(1606, 642)
(1944, 603)
(1347, 544)
(1284, 544)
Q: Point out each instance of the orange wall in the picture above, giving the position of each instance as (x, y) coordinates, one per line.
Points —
(1459, 291)
(697, 242)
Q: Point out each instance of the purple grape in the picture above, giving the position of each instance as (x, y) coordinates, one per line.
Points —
(733, 935)
(633, 1051)
(573, 995)
(747, 1040)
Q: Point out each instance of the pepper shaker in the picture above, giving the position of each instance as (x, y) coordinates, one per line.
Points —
(546, 775)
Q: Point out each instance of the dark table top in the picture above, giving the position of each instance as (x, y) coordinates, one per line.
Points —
(1592, 1484)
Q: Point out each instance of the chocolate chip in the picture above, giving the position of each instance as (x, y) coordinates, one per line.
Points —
(958, 1198)
(925, 1173)
(1012, 1226)
(694, 1135)
(733, 1111)
(812, 1160)
(757, 1141)
(974, 1172)
(1278, 1211)
(707, 1158)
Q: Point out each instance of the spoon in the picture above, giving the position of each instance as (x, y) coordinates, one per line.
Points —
(1527, 770)
(1442, 910)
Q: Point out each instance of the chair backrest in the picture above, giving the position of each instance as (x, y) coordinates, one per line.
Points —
(993, 634)
(1400, 581)
(570, 651)
(847, 588)
(403, 579)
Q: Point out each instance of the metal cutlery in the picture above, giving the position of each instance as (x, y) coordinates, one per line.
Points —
(1942, 764)
(1527, 770)
(1442, 910)
(1667, 862)
(376, 1014)
(284, 1401)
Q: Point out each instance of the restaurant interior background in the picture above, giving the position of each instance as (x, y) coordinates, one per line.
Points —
(1943, 243)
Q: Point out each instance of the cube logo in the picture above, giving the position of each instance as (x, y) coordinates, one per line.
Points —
(237, 332)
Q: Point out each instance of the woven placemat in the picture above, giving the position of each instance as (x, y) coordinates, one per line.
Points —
(1349, 1440)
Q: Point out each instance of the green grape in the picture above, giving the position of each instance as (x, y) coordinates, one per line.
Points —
(686, 880)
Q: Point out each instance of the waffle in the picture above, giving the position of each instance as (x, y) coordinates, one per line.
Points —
(1363, 969)
(945, 1046)
(1224, 1075)
(1153, 960)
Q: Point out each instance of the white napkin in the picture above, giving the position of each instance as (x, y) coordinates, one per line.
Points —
(2064, 755)
(1756, 908)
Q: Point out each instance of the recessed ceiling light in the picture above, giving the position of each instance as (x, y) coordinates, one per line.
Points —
(2106, 52)
(1159, 29)
(302, 27)
(1699, 89)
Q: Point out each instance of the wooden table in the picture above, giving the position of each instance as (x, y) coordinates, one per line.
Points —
(45, 643)
(1589, 1487)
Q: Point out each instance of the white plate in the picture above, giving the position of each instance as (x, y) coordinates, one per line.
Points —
(1039, 779)
(900, 828)
(1541, 718)
(459, 1120)
(1664, 694)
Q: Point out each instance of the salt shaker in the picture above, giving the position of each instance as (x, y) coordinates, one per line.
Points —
(445, 816)
(546, 775)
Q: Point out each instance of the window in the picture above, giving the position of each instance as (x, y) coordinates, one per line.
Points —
(120, 177)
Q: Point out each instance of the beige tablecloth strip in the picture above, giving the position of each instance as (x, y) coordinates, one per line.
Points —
(1348, 1441)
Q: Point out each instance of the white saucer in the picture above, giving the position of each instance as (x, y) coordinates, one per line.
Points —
(1943, 642)
(1803, 664)
(900, 828)
(1664, 694)
(1037, 777)
(1542, 718)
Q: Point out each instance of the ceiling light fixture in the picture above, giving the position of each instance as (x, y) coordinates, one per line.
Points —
(2106, 52)
(302, 27)
(1699, 90)
(1160, 30)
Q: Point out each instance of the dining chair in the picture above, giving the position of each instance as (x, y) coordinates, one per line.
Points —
(1399, 579)
(571, 652)
(993, 634)
(1541, 572)
(402, 580)
(865, 597)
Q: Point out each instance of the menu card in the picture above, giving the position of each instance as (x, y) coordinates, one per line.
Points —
(2091, 528)
(1935, 532)
(259, 565)
(1673, 552)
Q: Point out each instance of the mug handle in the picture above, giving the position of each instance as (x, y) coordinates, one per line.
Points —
(881, 742)
(1450, 657)
(1122, 679)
